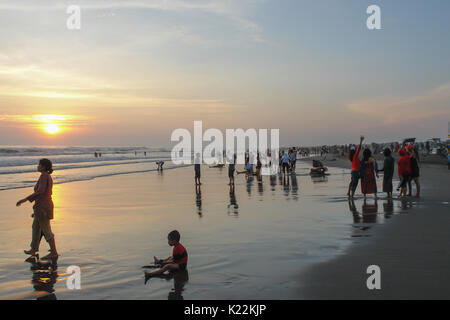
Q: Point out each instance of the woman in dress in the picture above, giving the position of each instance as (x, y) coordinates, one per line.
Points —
(42, 211)
(368, 181)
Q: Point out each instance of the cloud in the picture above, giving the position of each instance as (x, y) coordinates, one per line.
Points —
(231, 10)
(37, 120)
(390, 111)
(36, 81)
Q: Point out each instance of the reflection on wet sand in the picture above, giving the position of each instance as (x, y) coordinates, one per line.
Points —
(198, 200)
(369, 211)
(289, 186)
(249, 180)
(260, 185)
(273, 183)
(104, 202)
(180, 278)
(294, 187)
(286, 186)
(233, 206)
(319, 179)
(388, 208)
(44, 277)
(405, 204)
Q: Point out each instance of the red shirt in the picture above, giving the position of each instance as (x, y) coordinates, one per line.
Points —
(404, 167)
(179, 254)
(356, 163)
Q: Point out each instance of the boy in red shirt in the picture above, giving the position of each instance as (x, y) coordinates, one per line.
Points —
(176, 262)
(404, 171)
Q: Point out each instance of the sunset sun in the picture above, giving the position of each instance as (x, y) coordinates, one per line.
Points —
(52, 128)
(52, 124)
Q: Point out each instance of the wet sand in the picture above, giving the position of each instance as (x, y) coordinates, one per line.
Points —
(412, 251)
(250, 244)
(246, 245)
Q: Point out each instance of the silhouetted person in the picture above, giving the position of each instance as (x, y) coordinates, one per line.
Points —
(42, 211)
(197, 169)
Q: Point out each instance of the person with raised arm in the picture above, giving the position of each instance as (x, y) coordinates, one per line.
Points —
(356, 168)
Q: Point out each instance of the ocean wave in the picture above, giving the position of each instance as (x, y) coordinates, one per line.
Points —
(18, 163)
(29, 151)
(77, 177)
(13, 168)
(57, 159)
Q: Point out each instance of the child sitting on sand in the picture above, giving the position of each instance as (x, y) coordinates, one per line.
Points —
(178, 260)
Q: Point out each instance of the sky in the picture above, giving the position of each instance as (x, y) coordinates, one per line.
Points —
(137, 70)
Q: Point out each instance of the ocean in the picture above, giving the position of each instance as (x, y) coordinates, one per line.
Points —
(249, 242)
(18, 164)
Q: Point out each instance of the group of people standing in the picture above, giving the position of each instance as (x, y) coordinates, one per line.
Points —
(366, 170)
(288, 161)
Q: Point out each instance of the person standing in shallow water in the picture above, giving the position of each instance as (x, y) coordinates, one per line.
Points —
(356, 169)
(388, 169)
(404, 171)
(368, 180)
(197, 169)
(42, 210)
(231, 169)
(415, 171)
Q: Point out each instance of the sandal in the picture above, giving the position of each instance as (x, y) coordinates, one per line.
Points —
(50, 256)
(30, 252)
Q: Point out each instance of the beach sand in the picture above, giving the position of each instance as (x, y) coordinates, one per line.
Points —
(412, 250)
(246, 245)
(266, 241)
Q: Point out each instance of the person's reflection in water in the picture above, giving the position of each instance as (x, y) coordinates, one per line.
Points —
(280, 181)
(319, 179)
(44, 277)
(233, 206)
(352, 207)
(370, 211)
(250, 180)
(360, 220)
(260, 185)
(198, 200)
(273, 182)
(388, 208)
(405, 204)
(180, 278)
(286, 186)
(294, 187)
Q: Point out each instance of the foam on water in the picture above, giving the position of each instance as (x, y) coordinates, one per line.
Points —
(18, 164)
